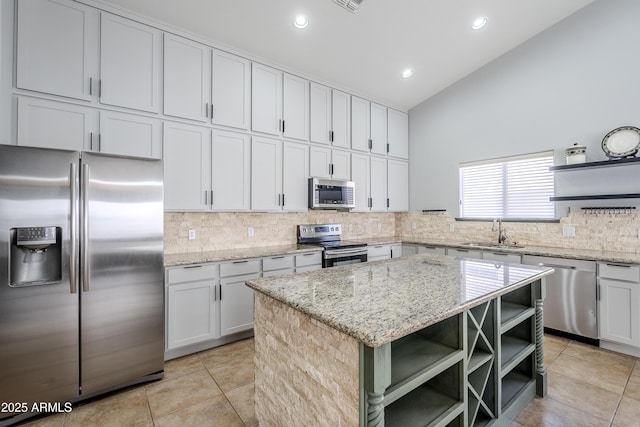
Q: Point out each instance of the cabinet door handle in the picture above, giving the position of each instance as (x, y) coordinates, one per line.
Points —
(387, 202)
(100, 88)
(240, 262)
(387, 147)
(99, 142)
(90, 86)
(211, 197)
(283, 200)
(91, 141)
(330, 168)
(277, 257)
(371, 144)
(220, 293)
(212, 110)
(331, 135)
(206, 202)
(619, 265)
(282, 126)
(309, 254)
(206, 109)
(192, 266)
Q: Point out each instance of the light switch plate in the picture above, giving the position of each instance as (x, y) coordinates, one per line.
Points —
(568, 231)
(250, 231)
(192, 234)
(413, 226)
(452, 227)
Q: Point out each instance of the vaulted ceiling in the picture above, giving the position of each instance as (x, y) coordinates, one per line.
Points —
(365, 52)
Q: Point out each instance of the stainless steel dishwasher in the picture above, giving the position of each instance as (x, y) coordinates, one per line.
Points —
(570, 307)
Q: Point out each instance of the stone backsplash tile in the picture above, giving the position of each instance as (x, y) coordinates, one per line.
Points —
(228, 230)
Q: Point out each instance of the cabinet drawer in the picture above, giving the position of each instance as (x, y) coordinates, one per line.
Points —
(310, 258)
(629, 273)
(277, 262)
(192, 273)
(378, 251)
(235, 268)
(501, 256)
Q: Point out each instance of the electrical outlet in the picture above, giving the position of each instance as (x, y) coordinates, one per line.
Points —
(413, 226)
(568, 231)
(379, 226)
(452, 227)
(250, 231)
(192, 234)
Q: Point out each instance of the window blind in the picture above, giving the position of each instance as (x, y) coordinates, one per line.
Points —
(515, 187)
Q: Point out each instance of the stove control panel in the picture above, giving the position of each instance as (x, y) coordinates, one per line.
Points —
(307, 231)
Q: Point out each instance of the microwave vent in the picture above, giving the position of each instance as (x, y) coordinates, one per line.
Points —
(350, 5)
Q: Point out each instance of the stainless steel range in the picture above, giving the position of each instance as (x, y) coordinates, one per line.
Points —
(336, 251)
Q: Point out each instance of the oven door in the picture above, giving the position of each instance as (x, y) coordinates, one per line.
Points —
(338, 257)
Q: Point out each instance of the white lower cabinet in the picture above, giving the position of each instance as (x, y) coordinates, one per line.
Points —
(619, 305)
(398, 250)
(378, 252)
(278, 265)
(309, 261)
(192, 305)
(422, 249)
(236, 298)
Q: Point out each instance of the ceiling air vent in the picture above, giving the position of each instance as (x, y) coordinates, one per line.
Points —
(350, 5)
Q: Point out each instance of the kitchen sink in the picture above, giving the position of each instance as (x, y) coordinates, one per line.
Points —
(492, 245)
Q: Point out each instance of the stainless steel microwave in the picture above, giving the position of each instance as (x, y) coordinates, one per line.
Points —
(331, 194)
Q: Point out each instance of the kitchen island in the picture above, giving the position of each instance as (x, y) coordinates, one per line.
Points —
(421, 340)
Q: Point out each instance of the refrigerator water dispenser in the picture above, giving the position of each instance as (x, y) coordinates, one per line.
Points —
(35, 256)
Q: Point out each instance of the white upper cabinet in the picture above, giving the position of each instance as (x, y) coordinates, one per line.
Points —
(340, 122)
(187, 167)
(129, 135)
(330, 112)
(231, 93)
(57, 47)
(295, 108)
(295, 176)
(266, 174)
(230, 171)
(378, 184)
(361, 176)
(130, 63)
(328, 163)
(378, 129)
(398, 185)
(266, 99)
(279, 175)
(320, 114)
(398, 133)
(360, 124)
(205, 84)
(187, 78)
(50, 124)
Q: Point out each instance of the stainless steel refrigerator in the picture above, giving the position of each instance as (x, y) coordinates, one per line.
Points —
(81, 275)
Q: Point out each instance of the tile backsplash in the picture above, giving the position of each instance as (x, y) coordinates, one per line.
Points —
(229, 230)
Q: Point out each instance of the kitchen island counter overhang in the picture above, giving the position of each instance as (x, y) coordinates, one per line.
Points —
(356, 345)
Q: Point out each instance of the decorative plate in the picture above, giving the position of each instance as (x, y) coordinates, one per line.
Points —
(622, 142)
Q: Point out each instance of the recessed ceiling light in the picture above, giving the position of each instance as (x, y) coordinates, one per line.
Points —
(301, 21)
(479, 22)
(407, 73)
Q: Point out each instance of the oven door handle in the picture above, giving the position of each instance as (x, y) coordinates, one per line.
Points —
(342, 252)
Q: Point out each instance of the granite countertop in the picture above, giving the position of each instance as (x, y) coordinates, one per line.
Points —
(583, 254)
(187, 258)
(379, 302)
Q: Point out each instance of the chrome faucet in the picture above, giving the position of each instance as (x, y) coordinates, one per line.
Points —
(502, 233)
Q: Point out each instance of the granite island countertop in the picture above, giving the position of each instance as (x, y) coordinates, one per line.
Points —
(379, 302)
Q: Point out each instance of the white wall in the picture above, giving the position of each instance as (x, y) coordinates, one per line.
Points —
(572, 83)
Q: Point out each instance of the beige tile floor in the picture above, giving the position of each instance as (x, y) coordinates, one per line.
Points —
(587, 387)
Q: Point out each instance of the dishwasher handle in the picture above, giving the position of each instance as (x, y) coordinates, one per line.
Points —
(567, 267)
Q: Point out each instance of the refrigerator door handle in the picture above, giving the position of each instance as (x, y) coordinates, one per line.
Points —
(85, 227)
(73, 262)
